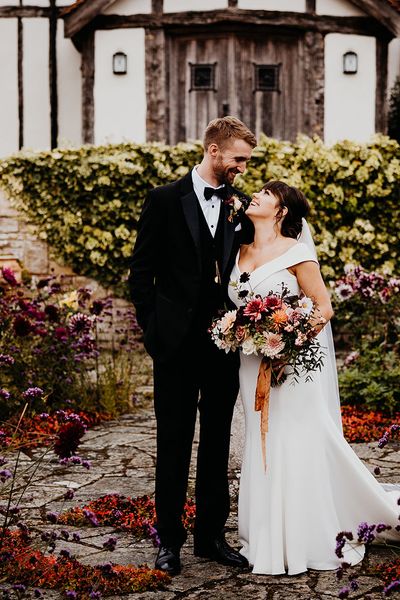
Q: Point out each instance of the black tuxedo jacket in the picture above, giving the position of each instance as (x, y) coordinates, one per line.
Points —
(165, 270)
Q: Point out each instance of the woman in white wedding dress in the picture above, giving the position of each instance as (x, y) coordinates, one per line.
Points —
(314, 485)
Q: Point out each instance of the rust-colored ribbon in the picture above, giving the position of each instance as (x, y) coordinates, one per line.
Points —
(262, 403)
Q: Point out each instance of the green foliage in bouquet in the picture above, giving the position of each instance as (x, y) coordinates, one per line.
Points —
(86, 202)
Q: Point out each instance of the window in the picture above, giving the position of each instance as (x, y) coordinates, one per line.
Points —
(202, 76)
(267, 78)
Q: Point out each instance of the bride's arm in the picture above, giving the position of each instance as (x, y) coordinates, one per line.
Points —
(311, 282)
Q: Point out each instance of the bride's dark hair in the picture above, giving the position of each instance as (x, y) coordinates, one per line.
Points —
(296, 203)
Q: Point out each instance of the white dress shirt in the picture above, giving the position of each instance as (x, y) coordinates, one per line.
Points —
(211, 207)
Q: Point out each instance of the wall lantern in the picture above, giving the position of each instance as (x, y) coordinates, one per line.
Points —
(120, 63)
(350, 63)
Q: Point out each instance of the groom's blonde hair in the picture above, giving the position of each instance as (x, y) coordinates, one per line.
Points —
(225, 129)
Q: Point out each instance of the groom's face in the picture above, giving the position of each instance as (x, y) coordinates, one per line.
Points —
(231, 159)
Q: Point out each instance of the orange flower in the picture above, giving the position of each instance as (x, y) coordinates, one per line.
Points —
(279, 317)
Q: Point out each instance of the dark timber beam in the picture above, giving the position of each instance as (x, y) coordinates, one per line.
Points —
(236, 19)
(13, 12)
(383, 12)
(87, 68)
(84, 14)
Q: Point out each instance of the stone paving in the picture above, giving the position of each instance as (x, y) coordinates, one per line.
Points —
(122, 453)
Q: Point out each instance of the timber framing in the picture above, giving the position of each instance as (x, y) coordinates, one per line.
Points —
(87, 49)
(237, 18)
(13, 12)
(381, 86)
(383, 14)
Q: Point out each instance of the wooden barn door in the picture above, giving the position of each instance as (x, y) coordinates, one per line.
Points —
(256, 77)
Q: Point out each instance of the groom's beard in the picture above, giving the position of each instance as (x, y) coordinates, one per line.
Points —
(225, 175)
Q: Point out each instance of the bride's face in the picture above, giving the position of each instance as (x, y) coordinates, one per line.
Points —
(263, 205)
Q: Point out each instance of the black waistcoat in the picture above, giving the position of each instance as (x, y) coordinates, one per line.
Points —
(211, 294)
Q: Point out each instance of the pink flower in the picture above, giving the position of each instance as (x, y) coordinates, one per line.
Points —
(301, 338)
(254, 309)
(9, 277)
(273, 344)
(227, 321)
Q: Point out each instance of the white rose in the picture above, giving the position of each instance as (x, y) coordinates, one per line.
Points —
(248, 346)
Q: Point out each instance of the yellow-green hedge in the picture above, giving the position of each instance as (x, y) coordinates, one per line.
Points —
(86, 202)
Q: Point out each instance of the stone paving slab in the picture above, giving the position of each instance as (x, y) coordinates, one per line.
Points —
(123, 458)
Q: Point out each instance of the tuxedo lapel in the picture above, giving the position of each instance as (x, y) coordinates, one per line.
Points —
(190, 210)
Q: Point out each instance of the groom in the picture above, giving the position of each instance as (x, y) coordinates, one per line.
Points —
(188, 236)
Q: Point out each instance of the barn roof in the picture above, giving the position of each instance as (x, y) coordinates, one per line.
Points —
(81, 12)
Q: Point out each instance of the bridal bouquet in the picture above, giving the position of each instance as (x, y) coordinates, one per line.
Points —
(279, 327)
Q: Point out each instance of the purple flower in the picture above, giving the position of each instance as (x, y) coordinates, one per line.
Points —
(64, 534)
(106, 568)
(37, 593)
(6, 359)
(5, 474)
(44, 416)
(354, 585)
(52, 517)
(395, 427)
(76, 537)
(393, 585)
(9, 277)
(70, 594)
(95, 595)
(91, 517)
(80, 324)
(110, 544)
(382, 527)
(365, 533)
(19, 587)
(32, 393)
(4, 395)
(153, 535)
(344, 592)
(86, 464)
(69, 494)
(383, 440)
(377, 471)
(65, 554)
(22, 326)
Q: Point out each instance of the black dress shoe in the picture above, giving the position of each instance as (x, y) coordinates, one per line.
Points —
(220, 551)
(168, 560)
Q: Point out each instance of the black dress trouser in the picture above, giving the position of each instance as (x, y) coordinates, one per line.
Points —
(200, 376)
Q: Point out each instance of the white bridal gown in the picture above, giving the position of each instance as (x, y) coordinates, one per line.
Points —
(314, 485)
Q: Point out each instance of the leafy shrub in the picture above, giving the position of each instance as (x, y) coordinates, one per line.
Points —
(49, 342)
(86, 202)
(367, 313)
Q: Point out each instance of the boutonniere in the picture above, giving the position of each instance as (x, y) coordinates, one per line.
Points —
(238, 204)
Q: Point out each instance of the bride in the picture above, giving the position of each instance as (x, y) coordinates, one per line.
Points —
(314, 486)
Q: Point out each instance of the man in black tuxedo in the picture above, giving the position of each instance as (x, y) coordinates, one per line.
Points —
(187, 241)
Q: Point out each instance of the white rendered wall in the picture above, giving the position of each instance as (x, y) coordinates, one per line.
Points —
(393, 62)
(36, 2)
(341, 8)
(69, 90)
(349, 99)
(36, 83)
(128, 7)
(120, 100)
(9, 120)
(282, 5)
(184, 5)
(9, 3)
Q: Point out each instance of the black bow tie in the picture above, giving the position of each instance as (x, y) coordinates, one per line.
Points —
(221, 192)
